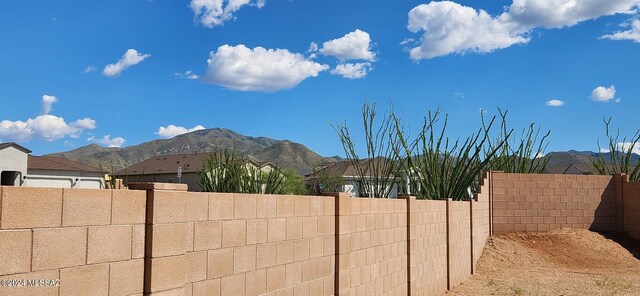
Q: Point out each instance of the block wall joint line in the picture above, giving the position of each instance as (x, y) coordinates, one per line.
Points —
(471, 233)
(148, 242)
(409, 199)
(490, 193)
(336, 250)
(448, 214)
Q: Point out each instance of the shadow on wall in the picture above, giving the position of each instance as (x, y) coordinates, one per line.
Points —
(604, 216)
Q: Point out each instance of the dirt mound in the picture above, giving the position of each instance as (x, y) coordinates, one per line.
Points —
(577, 248)
(560, 262)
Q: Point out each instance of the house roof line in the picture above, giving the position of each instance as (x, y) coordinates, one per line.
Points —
(14, 145)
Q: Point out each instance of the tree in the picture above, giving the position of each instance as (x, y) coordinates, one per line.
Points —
(293, 183)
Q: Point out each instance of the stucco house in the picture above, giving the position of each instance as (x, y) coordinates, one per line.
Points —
(57, 172)
(19, 168)
(13, 164)
(351, 179)
(165, 169)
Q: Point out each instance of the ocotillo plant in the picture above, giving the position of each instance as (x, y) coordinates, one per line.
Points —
(438, 169)
(227, 172)
(377, 174)
(523, 155)
(620, 155)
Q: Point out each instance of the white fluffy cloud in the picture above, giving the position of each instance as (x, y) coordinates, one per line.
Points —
(632, 34)
(171, 130)
(130, 58)
(212, 13)
(564, 13)
(352, 70)
(47, 102)
(624, 147)
(187, 75)
(451, 28)
(108, 141)
(259, 69)
(85, 123)
(47, 127)
(554, 103)
(603, 94)
(352, 46)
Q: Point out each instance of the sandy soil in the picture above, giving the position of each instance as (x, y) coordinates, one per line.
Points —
(560, 262)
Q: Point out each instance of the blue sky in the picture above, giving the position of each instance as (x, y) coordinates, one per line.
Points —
(125, 72)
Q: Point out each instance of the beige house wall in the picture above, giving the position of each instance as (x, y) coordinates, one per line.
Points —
(12, 159)
(63, 179)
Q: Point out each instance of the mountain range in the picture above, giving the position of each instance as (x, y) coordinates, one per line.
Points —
(283, 153)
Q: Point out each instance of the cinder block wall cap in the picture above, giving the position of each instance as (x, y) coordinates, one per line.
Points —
(158, 186)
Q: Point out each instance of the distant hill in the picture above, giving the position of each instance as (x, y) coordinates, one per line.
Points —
(283, 153)
(560, 161)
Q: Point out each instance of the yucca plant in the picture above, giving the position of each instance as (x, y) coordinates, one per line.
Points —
(438, 168)
(377, 174)
(620, 155)
(523, 155)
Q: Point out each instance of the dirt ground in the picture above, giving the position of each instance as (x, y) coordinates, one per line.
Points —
(560, 262)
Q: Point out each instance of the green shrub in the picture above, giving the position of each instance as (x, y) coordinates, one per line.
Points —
(227, 172)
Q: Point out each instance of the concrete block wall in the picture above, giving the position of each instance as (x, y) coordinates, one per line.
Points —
(480, 220)
(631, 208)
(162, 240)
(372, 246)
(459, 241)
(446, 240)
(241, 244)
(428, 265)
(71, 241)
(542, 202)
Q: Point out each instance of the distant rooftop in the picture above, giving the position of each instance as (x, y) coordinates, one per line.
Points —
(58, 164)
(14, 145)
(169, 164)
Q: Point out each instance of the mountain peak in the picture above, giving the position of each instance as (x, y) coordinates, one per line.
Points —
(284, 153)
